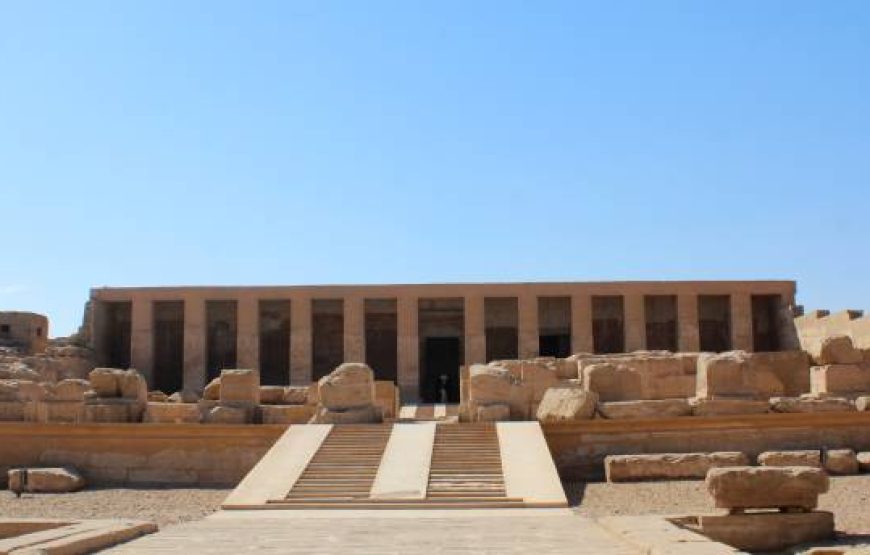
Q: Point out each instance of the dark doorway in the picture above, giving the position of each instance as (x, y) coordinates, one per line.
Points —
(714, 323)
(275, 342)
(608, 324)
(117, 333)
(441, 364)
(441, 328)
(327, 335)
(502, 338)
(660, 312)
(381, 325)
(554, 325)
(221, 324)
(765, 322)
(168, 346)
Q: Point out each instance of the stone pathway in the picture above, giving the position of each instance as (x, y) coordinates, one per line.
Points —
(502, 531)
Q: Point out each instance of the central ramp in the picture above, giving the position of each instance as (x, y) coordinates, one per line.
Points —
(404, 466)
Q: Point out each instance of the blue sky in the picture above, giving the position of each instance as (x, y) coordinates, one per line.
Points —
(180, 142)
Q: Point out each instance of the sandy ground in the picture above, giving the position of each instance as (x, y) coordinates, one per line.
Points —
(163, 506)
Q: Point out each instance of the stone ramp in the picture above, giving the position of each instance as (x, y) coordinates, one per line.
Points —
(404, 466)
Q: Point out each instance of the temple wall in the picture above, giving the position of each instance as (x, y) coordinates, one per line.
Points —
(814, 326)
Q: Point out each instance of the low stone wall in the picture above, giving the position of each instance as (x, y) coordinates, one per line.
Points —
(579, 448)
(139, 454)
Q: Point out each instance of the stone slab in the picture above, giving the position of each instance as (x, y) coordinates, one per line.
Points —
(768, 531)
(404, 469)
(280, 467)
(668, 466)
(527, 466)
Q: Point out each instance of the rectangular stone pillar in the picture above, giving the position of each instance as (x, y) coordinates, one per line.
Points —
(687, 323)
(142, 338)
(475, 331)
(409, 349)
(581, 324)
(194, 343)
(248, 335)
(529, 339)
(635, 323)
(300, 340)
(741, 322)
(354, 329)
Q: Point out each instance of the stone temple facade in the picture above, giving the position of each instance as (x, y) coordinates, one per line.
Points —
(420, 335)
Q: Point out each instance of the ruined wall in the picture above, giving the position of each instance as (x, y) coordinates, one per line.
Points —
(26, 331)
(814, 326)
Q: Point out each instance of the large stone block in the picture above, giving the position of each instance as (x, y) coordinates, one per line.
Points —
(762, 532)
(71, 390)
(498, 412)
(658, 408)
(271, 395)
(801, 457)
(724, 375)
(567, 404)
(724, 407)
(357, 415)
(808, 403)
(158, 397)
(184, 396)
(837, 349)
(45, 480)
(172, 413)
(9, 390)
(766, 487)
(351, 385)
(538, 375)
(240, 387)
(212, 391)
(297, 395)
(842, 462)
(229, 415)
(490, 384)
(104, 382)
(68, 412)
(841, 379)
(113, 410)
(779, 373)
(11, 411)
(132, 385)
(668, 466)
(286, 414)
(612, 382)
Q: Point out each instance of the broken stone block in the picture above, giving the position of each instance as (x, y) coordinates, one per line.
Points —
(112, 410)
(70, 390)
(296, 395)
(612, 382)
(271, 395)
(69, 412)
(766, 487)
(228, 415)
(759, 532)
(172, 413)
(11, 411)
(104, 382)
(842, 462)
(807, 403)
(240, 387)
(723, 407)
(498, 412)
(842, 379)
(33, 392)
(662, 408)
(801, 457)
(491, 384)
(351, 385)
(668, 466)
(212, 391)
(157, 397)
(286, 414)
(538, 375)
(779, 373)
(184, 396)
(132, 385)
(724, 375)
(357, 415)
(863, 461)
(567, 404)
(45, 480)
(838, 349)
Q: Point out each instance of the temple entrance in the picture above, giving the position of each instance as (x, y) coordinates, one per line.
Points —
(441, 360)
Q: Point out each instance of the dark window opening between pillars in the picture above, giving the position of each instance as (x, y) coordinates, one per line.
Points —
(501, 318)
(554, 326)
(660, 313)
(168, 346)
(766, 314)
(441, 329)
(714, 323)
(327, 335)
(608, 324)
(382, 339)
(274, 326)
(221, 325)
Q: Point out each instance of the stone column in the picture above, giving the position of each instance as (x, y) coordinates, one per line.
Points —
(354, 329)
(409, 349)
(142, 338)
(300, 340)
(635, 323)
(741, 322)
(194, 343)
(248, 334)
(687, 323)
(581, 324)
(475, 330)
(530, 343)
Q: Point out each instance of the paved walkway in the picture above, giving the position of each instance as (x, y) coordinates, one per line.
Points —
(382, 532)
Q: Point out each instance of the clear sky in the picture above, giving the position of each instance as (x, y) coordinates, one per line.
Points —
(180, 142)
